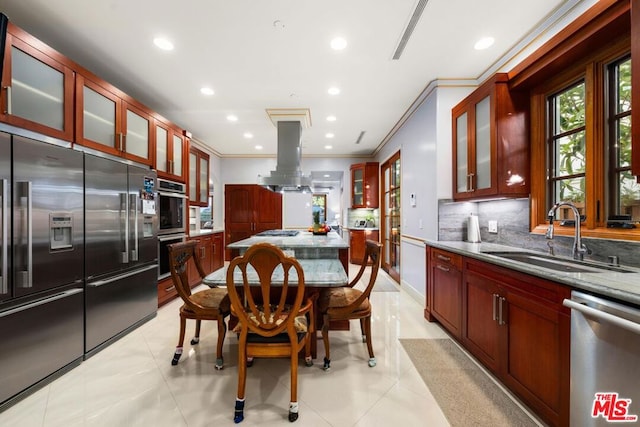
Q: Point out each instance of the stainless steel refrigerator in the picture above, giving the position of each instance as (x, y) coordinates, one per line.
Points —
(41, 262)
(121, 249)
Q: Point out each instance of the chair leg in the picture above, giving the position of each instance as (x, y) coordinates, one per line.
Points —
(222, 331)
(196, 339)
(363, 330)
(367, 325)
(293, 405)
(325, 340)
(178, 353)
(238, 414)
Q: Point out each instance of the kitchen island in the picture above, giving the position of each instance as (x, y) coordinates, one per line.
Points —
(304, 245)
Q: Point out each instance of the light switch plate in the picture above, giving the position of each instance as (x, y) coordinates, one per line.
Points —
(493, 226)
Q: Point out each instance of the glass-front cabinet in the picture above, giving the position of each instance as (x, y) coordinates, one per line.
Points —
(364, 185)
(490, 144)
(198, 177)
(37, 87)
(107, 122)
(170, 145)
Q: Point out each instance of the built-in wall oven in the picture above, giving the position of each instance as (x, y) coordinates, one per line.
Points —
(163, 252)
(173, 207)
(172, 221)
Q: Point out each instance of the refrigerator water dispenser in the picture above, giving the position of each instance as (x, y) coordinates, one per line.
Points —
(60, 231)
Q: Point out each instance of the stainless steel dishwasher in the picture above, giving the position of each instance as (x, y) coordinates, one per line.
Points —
(605, 355)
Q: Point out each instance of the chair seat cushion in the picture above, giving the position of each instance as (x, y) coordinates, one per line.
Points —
(339, 298)
(300, 322)
(213, 298)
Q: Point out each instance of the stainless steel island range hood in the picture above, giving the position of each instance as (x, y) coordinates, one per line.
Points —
(288, 176)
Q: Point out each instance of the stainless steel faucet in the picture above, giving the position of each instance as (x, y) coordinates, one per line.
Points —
(579, 249)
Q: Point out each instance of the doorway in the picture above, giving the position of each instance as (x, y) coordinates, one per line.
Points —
(390, 173)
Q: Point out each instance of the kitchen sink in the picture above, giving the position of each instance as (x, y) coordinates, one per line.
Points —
(557, 264)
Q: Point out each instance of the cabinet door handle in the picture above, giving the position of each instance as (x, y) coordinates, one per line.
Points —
(444, 258)
(440, 267)
(120, 136)
(501, 320)
(7, 109)
(170, 166)
(494, 303)
(169, 289)
(470, 182)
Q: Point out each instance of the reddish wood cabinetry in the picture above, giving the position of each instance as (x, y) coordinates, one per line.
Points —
(250, 209)
(37, 86)
(198, 177)
(512, 322)
(490, 142)
(357, 240)
(445, 292)
(170, 151)
(364, 185)
(110, 121)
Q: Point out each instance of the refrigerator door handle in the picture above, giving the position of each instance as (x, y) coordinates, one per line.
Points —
(4, 276)
(42, 301)
(133, 211)
(24, 276)
(99, 283)
(124, 224)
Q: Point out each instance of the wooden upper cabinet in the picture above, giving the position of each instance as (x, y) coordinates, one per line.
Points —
(37, 87)
(198, 177)
(490, 142)
(170, 147)
(364, 185)
(109, 122)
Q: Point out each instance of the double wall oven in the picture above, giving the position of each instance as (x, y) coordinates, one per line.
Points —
(172, 198)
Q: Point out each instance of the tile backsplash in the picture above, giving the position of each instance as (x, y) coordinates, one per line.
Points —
(512, 217)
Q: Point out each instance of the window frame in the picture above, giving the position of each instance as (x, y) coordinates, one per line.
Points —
(592, 69)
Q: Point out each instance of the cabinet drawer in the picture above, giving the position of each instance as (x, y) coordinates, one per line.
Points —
(166, 291)
(446, 258)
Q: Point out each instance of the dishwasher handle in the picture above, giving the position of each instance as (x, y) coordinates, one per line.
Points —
(602, 315)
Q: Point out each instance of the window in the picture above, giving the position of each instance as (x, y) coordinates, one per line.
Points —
(581, 133)
(566, 147)
(623, 192)
(319, 208)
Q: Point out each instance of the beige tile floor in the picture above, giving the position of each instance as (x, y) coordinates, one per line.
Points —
(132, 383)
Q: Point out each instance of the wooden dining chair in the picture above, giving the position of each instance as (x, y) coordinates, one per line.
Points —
(208, 304)
(347, 303)
(272, 321)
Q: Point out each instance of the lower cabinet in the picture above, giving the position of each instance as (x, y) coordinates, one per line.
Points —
(356, 243)
(512, 322)
(446, 290)
(217, 261)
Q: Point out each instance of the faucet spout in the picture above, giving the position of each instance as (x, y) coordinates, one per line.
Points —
(579, 248)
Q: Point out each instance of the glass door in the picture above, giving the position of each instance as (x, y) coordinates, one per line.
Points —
(391, 216)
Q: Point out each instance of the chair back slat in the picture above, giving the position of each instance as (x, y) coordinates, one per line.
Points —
(265, 309)
(372, 257)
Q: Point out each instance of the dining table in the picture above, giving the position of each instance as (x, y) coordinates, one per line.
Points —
(318, 274)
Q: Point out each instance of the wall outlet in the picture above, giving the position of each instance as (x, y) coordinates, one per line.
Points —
(493, 226)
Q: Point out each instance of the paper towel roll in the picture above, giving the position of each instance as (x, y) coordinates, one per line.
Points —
(473, 229)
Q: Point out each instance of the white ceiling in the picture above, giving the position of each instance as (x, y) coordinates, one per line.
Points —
(265, 54)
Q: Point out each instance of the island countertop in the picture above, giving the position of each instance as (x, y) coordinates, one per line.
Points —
(304, 240)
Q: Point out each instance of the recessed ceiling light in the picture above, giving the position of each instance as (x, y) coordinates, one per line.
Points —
(328, 147)
(331, 118)
(483, 43)
(232, 118)
(333, 91)
(206, 91)
(338, 43)
(329, 135)
(326, 175)
(258, 147)
(163, 43)
(248, 135)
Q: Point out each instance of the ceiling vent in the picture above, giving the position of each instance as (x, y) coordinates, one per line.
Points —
(415, 17)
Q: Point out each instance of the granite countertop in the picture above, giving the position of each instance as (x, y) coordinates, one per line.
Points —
(613, 284)
(304, 239)
(204, 232)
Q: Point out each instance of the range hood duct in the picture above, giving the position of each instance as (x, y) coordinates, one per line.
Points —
(288, 176)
